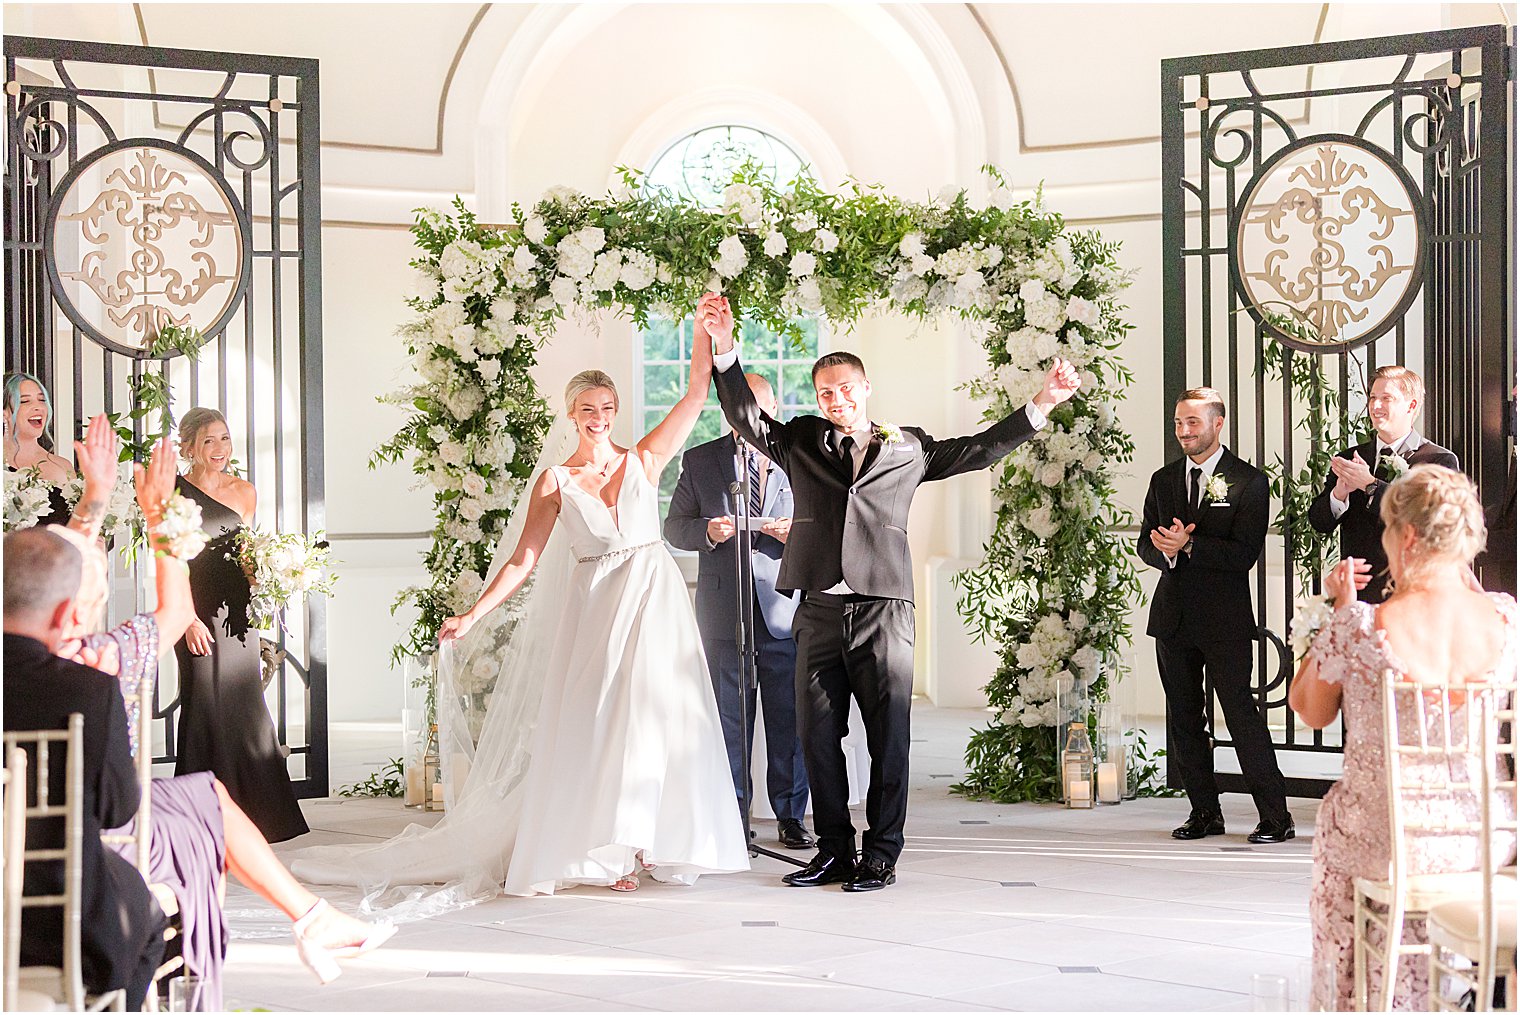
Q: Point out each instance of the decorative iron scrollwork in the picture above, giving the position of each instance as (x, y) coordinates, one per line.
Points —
(145, 235)
(1335, 230)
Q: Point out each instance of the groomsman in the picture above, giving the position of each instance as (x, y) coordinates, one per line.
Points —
(1352, 496)
(701, 518)
(1204, 526)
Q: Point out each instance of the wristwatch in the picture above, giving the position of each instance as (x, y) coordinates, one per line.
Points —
(1187, 547)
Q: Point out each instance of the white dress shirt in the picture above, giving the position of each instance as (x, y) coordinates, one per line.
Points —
(1207, 467)
(724, 360)
(1337, 506)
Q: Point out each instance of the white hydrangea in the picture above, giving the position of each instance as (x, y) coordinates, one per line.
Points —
(460, 259)
(909, 288)
(746, 201)
(574, 258)
(444, 319)
(732, 257)
(1082, 311)
(535, 229)
(802, 264)
(1032, 289)
(1045, 313)
(911, 246)
(609, 268)
(638, 270)
(809, 296)
(564, 290)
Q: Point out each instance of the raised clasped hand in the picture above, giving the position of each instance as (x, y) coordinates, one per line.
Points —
(1351, 474)
(1061, 382)
(715, 318)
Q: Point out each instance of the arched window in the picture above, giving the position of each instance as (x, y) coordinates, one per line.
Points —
(701, 164)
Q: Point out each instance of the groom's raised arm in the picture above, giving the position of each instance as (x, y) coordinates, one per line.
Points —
(955, 455)
(742, 411)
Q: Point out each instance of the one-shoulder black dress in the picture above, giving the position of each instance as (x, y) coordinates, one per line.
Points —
(224, 725)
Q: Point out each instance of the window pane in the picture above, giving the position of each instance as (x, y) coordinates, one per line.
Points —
(809, 340)
(766, 370)
(797, 384)
(660, 340)
(652, 419)
(760, 343)
(664, 384)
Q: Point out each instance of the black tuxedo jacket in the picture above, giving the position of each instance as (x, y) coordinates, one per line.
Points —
(117, 912)
(1361, 524)
(856, 531)
(1207, 594)
(702, 493)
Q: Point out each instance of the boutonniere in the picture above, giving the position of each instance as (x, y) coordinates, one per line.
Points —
(1216, 490)
(888, 433)
(1391, 466)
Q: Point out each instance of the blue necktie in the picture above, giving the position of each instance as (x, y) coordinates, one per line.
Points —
(756, 500)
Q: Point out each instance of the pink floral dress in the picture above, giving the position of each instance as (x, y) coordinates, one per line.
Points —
(1351, 837)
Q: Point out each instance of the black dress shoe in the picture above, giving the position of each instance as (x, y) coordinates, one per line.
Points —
(823, 869)
(1200, 824)
(793, 835)
(871, 875)
(1273, 830)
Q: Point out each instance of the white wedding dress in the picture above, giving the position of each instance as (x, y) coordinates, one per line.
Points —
(601, 742)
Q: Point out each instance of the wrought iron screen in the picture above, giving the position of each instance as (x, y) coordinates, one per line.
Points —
(1362, 189)
(148, 187)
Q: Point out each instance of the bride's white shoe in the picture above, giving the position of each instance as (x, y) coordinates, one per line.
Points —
(323, 961)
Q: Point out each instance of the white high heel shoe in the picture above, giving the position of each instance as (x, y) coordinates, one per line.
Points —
(323, 961)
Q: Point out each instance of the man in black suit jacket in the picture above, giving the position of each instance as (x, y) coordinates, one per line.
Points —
(701, 518)
(1204, 526)
(1353, 494)
(121, 926)
(853, 482)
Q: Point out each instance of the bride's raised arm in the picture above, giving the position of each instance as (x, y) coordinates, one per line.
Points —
(543, 509)
(666, 439)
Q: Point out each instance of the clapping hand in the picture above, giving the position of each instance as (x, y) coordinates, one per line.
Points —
(1173, 538)
(96, 457)
(1346, 579)
(1350, 474)
(1061, 382)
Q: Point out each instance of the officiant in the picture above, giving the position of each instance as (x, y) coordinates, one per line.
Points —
(701, 518)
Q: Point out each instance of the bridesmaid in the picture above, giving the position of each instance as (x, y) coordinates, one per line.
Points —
(28, 414)
(224, 724)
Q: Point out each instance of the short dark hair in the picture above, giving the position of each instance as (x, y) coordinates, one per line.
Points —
(838, 359)
(42, 569)
(1209, 396)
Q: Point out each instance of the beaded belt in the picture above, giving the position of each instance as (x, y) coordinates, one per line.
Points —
(626, 551)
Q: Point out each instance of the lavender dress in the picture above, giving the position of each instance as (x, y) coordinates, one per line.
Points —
(1352, 829)
(186, 848)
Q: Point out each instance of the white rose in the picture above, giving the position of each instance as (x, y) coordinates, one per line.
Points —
(1084, 312)
(948, 193)
(908, 289)
(1052, 474)
(826, 241)
(523, 259)
(802, 264)
(805, 223)
(560, 194)
(921, 264)
(1001, 198)
(731, 257)
(471, 510)
(474, 484)
(1032, 290)
(451, 453)
(535, 230)
(592, 238)
(609, 268)
(563, 290)
(775, 243)
(809, 296)
(489, 369)
(911, 246)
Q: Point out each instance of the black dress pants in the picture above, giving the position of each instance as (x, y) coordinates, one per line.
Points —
(1183, 659)
(860, 647)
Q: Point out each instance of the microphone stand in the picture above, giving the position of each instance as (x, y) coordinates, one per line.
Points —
(744, 638)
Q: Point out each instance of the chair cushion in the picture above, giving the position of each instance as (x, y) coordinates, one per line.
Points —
(1454, 924)
(1422, 891)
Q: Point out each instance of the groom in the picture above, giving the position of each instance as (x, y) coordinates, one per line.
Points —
(852, 482)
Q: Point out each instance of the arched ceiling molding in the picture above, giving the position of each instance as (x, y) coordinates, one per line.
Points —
(443, 93)
(1026, 148)
(722, 106)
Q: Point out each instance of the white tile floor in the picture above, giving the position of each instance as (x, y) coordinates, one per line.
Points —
(1102, 911)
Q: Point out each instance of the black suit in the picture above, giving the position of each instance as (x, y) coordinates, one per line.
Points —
(1201, 618)
(854, 528)
(1361, 524)
(121, 926)
(702, 494)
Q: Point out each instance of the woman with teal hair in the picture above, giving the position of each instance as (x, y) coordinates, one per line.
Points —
(28, 415)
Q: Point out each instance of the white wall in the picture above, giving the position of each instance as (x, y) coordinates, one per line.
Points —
(912, 96)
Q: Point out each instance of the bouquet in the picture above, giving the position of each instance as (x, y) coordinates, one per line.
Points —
(281, 568)
(181, 528)
(123, 520)
(27, 498)
(1308, 617)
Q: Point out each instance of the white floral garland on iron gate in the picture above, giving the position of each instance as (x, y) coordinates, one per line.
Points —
(1057, 583)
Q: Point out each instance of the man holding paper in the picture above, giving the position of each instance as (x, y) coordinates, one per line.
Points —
(702, 518)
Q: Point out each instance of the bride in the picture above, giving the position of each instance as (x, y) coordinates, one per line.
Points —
(601, 755)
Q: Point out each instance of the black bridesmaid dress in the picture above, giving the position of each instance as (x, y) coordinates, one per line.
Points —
(224, 725)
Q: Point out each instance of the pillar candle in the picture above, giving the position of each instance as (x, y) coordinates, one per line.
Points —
(413, 796)
(1109, 791)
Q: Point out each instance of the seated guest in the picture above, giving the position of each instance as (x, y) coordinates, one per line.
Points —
(1204, 525)
(1434, 628)
(121, 926)
(1359, 475)
(196, 831)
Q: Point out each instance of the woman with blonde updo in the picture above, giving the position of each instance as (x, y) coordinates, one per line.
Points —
(1435, 628)
(224, 725)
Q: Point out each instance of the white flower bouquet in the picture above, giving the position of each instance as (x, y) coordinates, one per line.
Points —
(1309, 616)
(27, 498)
(123, 520)
(181, 527)
(281, 568)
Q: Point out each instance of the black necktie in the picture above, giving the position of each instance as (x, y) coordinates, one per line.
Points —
(1193, 499)
(847, 453)
(756, 500)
